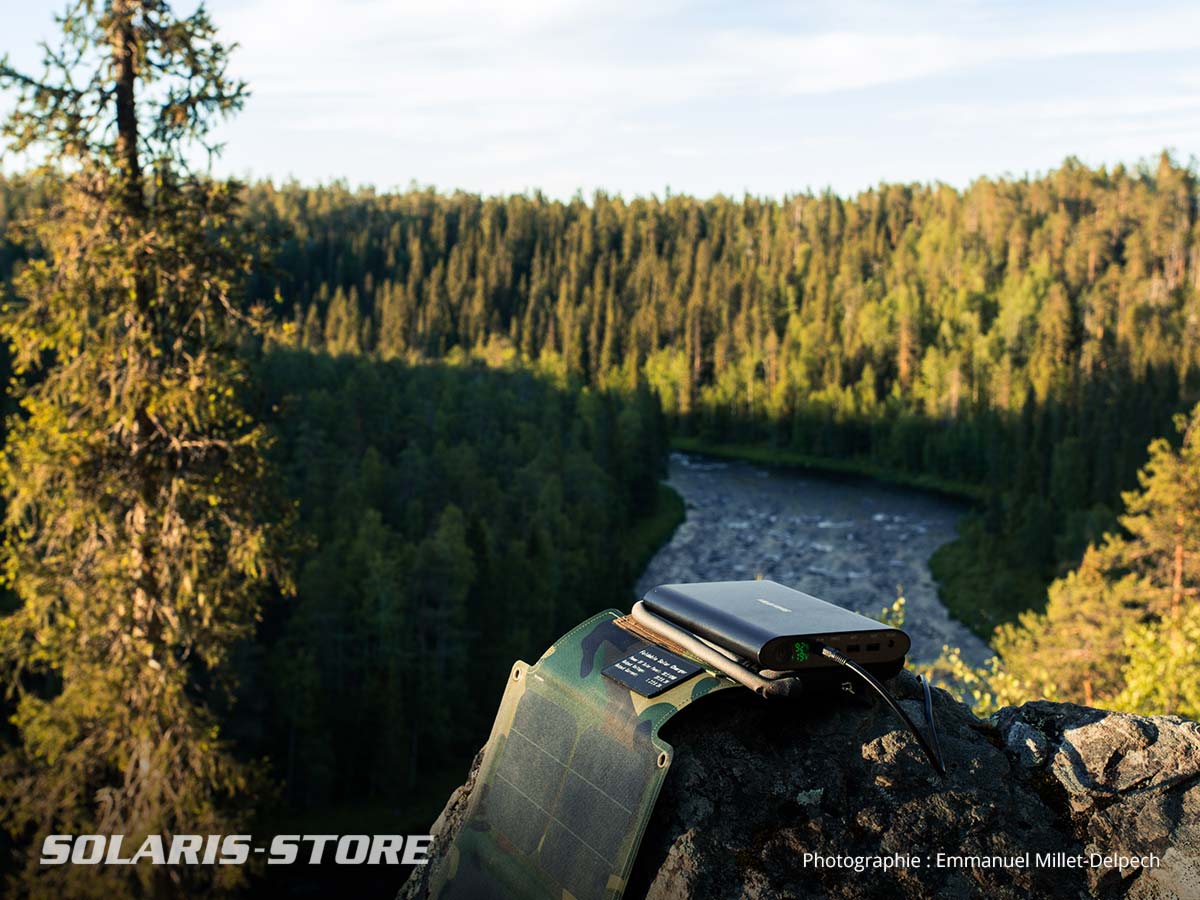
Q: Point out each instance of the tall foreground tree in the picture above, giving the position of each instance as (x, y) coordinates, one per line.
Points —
(133, 477)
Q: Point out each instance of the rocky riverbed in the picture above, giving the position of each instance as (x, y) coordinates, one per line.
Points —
(852, 542)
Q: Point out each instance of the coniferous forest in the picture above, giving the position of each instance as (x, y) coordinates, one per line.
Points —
(471, 398)
(309, 467)
(1021, 341)
(458, 518)
(463, 387)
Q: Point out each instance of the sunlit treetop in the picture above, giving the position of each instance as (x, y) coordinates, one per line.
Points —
(83, 104)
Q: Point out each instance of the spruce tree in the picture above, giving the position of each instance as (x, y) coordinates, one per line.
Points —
(134, 478)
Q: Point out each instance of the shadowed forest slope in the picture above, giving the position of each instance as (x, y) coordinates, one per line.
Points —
(1022, 338)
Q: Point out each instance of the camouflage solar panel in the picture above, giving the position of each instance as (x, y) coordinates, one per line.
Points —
(569, 777)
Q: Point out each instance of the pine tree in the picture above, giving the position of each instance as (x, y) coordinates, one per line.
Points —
(1075, 650)
(1122, 628)
(1163, 522)
(133, 475)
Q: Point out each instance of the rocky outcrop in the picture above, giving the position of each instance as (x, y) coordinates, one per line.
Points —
(756, 789)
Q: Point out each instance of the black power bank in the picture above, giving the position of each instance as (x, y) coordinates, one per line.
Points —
(776, 627)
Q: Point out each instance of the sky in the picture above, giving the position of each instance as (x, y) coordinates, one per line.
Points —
(640, 97)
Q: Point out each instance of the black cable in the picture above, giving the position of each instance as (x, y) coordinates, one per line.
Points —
(788, 684)
(934, 756)
(929, 721)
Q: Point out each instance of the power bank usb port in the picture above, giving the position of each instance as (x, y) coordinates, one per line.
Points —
(853, 648)
(871, 647)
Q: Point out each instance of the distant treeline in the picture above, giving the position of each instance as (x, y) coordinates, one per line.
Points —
(1027, 336)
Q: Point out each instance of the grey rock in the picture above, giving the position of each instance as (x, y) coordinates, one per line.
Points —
(754, 785)
(1028, 744)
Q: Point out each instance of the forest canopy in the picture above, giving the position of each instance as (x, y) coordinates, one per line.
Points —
(1022, 340)
(470, 399)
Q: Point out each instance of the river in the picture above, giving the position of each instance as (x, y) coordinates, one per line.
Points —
(856, 543)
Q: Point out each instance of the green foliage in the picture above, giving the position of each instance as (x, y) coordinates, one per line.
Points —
(893, 615)
(984, 578)
(1023, 340)
(642, 541)
(1121, 630)
(461, 517)
(985, 688)
(1020, 339)
(1163, 674)
(1075, 649)
(135, 481)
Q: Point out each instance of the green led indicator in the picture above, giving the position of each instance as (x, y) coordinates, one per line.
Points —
(799, 651)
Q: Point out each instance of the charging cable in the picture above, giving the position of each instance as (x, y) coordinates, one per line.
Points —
(932, 753)
(789, 685)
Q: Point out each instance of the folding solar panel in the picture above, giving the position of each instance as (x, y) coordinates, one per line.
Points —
(572, 768)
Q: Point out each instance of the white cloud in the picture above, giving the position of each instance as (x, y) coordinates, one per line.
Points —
(846, 60)
(513, 93)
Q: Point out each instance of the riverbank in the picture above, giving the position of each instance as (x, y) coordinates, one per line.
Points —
(650, 532)
(856, 468)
